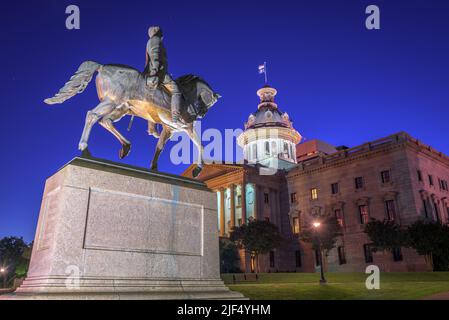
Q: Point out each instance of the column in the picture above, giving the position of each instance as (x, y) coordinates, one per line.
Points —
(222, 212)
(232, 188)
(243, 188)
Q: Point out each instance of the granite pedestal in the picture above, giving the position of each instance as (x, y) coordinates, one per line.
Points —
(109, 231)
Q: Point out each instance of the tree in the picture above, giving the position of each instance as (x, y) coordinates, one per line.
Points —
(430, 239)
(328, 233)
(257, 237)
(385, 235)
(12, 250)
(229, 256)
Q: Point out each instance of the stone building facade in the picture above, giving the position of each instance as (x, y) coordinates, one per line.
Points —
(396, 177)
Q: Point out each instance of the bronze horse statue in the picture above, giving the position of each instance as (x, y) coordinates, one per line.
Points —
(122, 90)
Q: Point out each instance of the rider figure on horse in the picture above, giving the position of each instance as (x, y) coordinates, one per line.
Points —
(156, 71)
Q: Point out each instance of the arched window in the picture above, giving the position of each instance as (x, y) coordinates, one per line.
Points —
(267, 148)
(285, 149)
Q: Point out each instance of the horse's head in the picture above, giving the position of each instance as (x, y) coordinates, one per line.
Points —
(198, 93)
(206, 98)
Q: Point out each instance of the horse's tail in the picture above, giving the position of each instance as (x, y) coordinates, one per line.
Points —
(77, 83)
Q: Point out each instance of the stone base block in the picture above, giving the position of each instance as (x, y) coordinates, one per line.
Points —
(109, 231)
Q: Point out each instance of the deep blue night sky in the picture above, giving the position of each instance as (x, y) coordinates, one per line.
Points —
(338, 81)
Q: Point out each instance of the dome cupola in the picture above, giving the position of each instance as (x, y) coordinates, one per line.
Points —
(269, 132)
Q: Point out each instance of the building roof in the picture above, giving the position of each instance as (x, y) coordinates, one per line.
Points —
(268, 113)
(313, 148)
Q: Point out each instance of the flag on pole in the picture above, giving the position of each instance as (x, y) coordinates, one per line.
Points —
(263, 70)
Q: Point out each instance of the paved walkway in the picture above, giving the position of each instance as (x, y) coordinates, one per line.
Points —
(438, 296)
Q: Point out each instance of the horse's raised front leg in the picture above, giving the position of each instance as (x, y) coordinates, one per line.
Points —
(165, 135)
(104, 108)
(197, 142)
(107, 123)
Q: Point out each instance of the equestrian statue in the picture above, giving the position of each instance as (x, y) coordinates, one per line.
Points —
(152, 95)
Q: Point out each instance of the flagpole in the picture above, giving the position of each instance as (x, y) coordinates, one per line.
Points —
(265, 67)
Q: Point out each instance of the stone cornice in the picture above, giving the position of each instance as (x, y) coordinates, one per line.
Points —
(367, 150)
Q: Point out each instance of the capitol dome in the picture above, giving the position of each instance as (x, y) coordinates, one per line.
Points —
(269, 134)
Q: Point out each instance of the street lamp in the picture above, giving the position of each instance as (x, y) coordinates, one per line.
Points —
(316, 225)
(3, 272)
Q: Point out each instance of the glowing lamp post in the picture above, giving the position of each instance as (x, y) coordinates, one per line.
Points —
(316, 226)
(3, 273)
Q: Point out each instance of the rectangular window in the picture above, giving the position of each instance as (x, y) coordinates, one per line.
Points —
(426, 212)
(296, 227)
(239, 200)
(368, 253)
(293, 197)
(397, 254)
(239, 221)
(358, 182)
(314, 193)
(266, 198)
(437, 212)
(334, 188)
(440, 184)
(298, 259)
(271, 259)
(419, 175)
(339, 217)
(430, 180)
(385, 176)
(364, 215)
(341, 255)
(267, 219)
(390, 210)
(267, 148)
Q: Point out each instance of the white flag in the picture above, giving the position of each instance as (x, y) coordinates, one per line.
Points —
(262, 68)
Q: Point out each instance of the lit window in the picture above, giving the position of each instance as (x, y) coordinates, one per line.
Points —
(296, 226)
(364, 215)
(339, 216)
(314, 193)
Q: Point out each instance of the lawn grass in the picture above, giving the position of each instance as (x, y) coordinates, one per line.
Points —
(341, 286)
